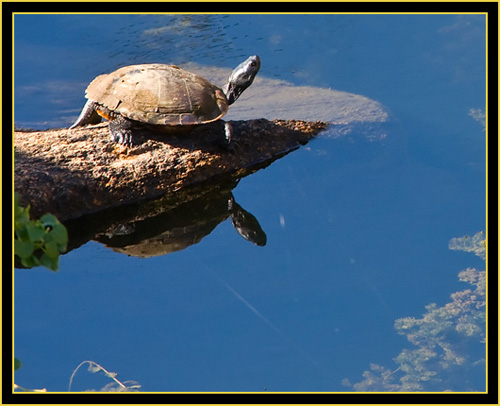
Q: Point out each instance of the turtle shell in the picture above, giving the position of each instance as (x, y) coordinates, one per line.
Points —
(159, 94)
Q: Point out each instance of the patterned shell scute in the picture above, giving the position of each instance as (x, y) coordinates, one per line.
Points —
(159, 94)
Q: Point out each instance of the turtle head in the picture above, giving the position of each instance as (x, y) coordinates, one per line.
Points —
(241, 77)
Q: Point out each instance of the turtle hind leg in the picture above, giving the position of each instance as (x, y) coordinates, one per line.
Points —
(89, 115)
(120, 130)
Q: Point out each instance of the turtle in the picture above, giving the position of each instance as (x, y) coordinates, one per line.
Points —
(162, 97)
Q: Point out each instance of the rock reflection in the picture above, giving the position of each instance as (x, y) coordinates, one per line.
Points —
(169, 224)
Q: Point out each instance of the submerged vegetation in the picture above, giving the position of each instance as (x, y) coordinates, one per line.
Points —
(449, 341)
(93, 367)
(114, 386)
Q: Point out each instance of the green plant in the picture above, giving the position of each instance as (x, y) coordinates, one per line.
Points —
(38, 242)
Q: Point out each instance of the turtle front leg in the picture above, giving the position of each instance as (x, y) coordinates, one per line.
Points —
(120, 130)
(228, 135)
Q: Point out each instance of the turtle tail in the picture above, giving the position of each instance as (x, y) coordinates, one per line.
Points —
(88, 115)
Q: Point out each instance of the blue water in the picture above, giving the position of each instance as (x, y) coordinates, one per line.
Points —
(357, 233)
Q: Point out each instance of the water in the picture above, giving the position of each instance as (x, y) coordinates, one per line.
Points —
(357, 226)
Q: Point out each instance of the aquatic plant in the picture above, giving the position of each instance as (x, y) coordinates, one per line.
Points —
(448, 340)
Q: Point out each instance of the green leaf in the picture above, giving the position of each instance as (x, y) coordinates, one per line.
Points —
(31, 236)
(35, 232)
(59, 234)
(17, 364)
(48, 262)
(20, 233)
(51, 249)
(21, 218)
(30, 262)
(23, 249)
(20, 213)
(49, 220)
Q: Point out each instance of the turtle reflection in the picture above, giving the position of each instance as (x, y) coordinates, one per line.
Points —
(182, 227)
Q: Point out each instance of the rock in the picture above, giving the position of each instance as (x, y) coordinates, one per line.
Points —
(71, 173)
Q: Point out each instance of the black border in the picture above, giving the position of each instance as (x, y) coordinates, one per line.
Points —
(491, 8)
(251, 7)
